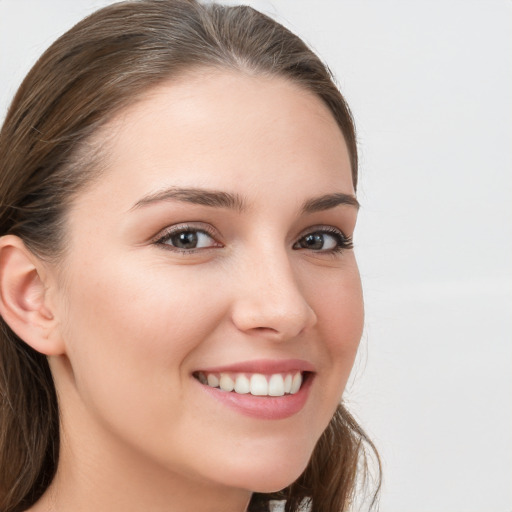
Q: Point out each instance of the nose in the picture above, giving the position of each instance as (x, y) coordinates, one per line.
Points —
(270, 302)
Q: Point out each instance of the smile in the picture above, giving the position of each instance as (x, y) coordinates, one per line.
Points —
(264, 389)
(256, 384)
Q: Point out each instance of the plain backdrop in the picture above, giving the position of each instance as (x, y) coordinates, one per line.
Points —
(430, 86)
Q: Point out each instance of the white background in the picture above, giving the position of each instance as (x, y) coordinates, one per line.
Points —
(430, 85)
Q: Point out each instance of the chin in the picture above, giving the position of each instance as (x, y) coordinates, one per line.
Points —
(275, 482)
(271, 476)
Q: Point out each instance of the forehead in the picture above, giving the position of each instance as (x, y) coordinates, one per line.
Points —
(225, 130)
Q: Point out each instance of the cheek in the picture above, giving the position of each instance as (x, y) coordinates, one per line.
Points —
(130, 331)
(154, 302)
(340, 312)
(124, 324)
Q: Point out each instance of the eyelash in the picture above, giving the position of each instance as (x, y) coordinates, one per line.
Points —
(343, 242)
(185, 228)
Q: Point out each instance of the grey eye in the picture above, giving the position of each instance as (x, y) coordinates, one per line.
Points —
(318, 242)
(189, 239)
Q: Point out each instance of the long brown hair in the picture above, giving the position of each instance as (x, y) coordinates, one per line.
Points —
(88, 75)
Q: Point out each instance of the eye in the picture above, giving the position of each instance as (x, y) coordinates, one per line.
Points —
(187, 239)
(324, 240)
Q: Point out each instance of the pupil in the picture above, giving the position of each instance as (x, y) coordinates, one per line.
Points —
(185, 240)
(314, 241)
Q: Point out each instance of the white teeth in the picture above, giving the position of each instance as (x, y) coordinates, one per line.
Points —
(276, 385)
(288, 383)
(213, 380)
(259, 385)
(296, 383)
(242, 385)
(226, 382)
(256, 384)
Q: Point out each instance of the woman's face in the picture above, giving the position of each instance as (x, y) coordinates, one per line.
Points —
(215, 248)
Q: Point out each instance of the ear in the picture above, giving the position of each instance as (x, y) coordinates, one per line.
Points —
(24, 298)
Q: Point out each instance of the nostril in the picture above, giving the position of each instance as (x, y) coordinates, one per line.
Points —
(279, 320)
(264, 329)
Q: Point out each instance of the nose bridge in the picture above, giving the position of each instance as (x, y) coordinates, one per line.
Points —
(270, 299)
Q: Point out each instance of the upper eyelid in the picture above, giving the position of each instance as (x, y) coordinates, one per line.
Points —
(323, 228)
(187, 226)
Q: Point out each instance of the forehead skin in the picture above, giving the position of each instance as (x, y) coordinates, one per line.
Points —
(226, 97)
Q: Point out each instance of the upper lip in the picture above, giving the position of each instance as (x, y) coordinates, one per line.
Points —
(265, 366)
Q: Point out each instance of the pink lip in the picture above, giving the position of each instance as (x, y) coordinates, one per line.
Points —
(263, 407)
(264, 366)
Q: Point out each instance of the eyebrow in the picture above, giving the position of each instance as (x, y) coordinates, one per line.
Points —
(213, 198)
(220, 199)
(329, 201)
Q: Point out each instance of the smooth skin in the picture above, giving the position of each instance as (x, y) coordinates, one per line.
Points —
(127, 316)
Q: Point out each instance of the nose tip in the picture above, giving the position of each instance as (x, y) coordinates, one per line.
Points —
(277, 309)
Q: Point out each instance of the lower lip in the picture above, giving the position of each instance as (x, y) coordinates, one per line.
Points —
(263, 407)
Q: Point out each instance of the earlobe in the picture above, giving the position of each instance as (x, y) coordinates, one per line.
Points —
(24, 303)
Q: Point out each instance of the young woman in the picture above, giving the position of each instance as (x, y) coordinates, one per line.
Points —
(181, 306)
